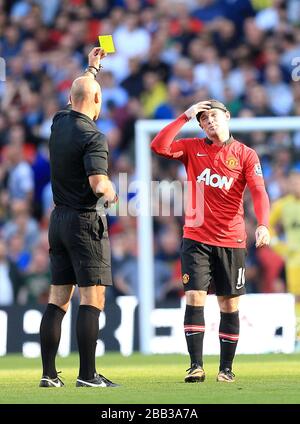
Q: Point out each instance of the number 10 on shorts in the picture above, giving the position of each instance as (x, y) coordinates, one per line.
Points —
(241, 278)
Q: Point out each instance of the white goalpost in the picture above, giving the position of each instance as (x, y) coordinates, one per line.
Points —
(145, 130)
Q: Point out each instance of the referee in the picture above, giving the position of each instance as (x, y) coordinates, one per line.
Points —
(78, 237)
(219, 167)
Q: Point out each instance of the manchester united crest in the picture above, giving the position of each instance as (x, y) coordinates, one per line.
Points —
(185, 278)
(232, 162)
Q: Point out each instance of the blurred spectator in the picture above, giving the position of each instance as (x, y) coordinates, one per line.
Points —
(50, 108)
(293, 11)
(169, 245)
(49, 10)
(238, 11)
(130, 38)
(154, 62)
(47, 199)
(169, 108)
(290, 49)
(41, 172)
(10, 278)
(21, 223)
(20, 181)
(207, 10)
(133, 84)
(37, 277)
(269, 18)
(183, 75)
(11, 42)
(111, 93)
(285, 222)
(277, 89)
(154, 93)
(17, 252)
(258, 101)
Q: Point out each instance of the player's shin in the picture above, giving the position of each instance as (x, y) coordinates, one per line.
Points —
(229, 335)
(194, 327)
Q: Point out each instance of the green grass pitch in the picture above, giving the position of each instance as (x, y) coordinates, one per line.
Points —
(155, 379)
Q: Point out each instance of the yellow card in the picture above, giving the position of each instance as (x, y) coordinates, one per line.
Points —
(107, 43)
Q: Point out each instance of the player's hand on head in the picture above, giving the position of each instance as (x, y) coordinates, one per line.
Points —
(192, 111)
(95, 56)
(262, 236)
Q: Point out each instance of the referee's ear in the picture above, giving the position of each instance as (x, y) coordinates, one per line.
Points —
(97, 98)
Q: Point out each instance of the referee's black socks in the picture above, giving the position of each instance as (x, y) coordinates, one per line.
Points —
(194, 332)
(87, 329)
(50, 332)
(229, 331)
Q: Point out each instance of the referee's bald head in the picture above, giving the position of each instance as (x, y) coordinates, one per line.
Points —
(84, 89)
(86, 96)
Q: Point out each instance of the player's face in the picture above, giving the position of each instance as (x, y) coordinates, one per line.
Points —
(214, 121)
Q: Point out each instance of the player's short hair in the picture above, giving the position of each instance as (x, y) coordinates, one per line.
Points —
(214, 104)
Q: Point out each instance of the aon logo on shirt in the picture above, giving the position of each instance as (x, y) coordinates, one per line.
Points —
(214, 180)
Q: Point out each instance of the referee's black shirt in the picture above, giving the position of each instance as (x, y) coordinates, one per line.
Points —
(77, 150)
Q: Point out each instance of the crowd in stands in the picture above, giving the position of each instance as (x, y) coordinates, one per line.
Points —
(169, 55)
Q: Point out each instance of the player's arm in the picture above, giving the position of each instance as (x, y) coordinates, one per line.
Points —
(260, 198)
(262, 212)
(164, 144)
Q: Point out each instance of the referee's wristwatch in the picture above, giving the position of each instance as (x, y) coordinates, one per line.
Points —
(93, 70)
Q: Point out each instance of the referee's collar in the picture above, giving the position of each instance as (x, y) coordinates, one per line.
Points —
(82, 115)
(225, 143)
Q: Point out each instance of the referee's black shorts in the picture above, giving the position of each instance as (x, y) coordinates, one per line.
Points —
(203, 264)
(79, 248)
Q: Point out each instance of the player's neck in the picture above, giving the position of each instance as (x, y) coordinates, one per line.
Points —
(220, 139)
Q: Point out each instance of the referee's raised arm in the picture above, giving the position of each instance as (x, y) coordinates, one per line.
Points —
(78, 236)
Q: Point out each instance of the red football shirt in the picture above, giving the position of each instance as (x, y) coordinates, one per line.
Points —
(217, 177)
